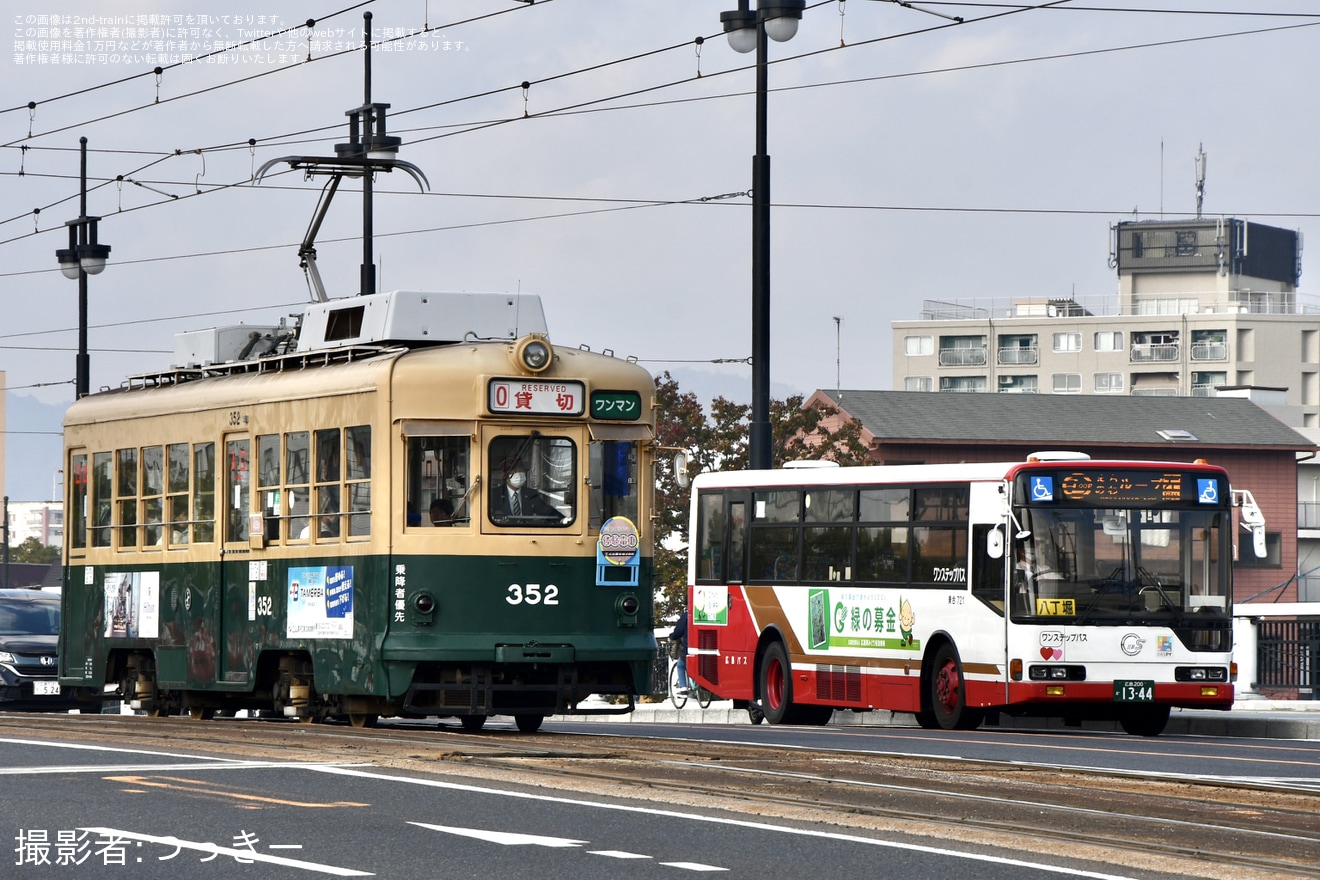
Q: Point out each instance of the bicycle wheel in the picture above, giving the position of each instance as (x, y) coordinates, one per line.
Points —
(704, 697)
(677, 697)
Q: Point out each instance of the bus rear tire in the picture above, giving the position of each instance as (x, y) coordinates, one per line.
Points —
(948, 693)
(1145, 721)
(775, 687)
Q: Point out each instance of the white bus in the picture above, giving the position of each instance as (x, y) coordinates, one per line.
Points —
(1058, 586)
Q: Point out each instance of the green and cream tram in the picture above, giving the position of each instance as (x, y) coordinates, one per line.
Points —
(322, 522)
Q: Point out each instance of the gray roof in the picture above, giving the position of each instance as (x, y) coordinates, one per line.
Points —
(1058, 420)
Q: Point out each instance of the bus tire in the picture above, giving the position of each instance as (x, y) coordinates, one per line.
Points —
(948, 692)
(775, 685)
(1145, 721)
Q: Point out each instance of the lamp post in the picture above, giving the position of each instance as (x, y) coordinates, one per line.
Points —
(83, 257)
(748, 30)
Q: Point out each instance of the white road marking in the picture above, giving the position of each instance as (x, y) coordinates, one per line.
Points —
(503, 838)
(692, 866)
(617, 854)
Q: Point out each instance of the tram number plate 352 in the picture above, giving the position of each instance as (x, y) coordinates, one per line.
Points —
(1134, 691)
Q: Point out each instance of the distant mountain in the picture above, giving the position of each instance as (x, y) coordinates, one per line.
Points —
(33, 448)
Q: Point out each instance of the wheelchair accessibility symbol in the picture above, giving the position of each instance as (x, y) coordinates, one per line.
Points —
(1207, 491)
(1042, 488)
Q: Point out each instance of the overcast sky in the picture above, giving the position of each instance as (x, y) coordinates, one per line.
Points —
(921, 159)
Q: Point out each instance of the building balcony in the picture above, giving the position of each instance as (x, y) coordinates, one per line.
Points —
(1209, 351)
(1154, 392)
(1160, 352)
(1018, 356)
(962, 357)
(1308, 514)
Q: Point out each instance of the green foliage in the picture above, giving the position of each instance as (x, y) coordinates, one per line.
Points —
(719, 442)
(32, 550)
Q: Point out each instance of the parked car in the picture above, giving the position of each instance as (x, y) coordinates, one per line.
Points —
(29, 664)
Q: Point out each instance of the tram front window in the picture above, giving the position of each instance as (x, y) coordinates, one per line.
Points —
(533, 481)
(438, 486)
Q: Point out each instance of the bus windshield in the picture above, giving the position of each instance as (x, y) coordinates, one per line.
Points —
(1096, 566)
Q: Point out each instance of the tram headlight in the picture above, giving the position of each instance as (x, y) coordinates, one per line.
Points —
(533, 354)
(626, 606)
(423, 609)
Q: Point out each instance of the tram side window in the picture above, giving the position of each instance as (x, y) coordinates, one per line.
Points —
(438, 481)
(76, 521)
(268, 484)
(176, 488)
(126, 483)
(297, 473)
(102, 502)
(357, 479)
(153, 491)
(237, 490)
(328, 480)
(613, 480)
(204, 493)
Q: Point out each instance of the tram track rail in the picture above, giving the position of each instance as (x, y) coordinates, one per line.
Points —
(1181, 826)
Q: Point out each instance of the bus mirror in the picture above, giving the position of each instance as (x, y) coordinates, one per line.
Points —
(681, 469)
(1258, 541)
(994, 544)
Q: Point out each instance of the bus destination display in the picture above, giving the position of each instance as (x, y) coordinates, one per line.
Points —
(1130, 486)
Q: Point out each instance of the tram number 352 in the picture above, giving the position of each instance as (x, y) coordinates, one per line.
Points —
(532, 594)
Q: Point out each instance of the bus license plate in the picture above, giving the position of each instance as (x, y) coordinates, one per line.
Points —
(1134, 691)
(46, 688)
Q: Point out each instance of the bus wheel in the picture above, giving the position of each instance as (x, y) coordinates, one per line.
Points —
(948, 693)
(528, 723)
(362, 719)
(1145, 721)
(776, 685)
(473, 723)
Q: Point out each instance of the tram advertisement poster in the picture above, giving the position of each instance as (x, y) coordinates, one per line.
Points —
(320, 603)
(710, 606)
(132, 605)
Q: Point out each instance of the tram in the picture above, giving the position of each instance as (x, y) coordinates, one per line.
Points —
(1058, 586)
(404, 504)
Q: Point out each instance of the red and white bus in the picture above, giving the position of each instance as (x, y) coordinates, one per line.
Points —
(1058, 586)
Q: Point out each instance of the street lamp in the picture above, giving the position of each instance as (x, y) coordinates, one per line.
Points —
(84, 256)
(748, 30)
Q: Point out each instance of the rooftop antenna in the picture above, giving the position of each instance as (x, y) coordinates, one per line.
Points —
(369, 149)
(1200, 178)
(838, 322)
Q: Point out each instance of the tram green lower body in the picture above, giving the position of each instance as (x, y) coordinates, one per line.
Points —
(362, 635)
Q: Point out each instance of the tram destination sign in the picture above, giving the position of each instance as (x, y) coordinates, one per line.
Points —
(536, 397)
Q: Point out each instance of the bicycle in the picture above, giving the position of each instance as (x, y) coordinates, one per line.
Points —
(680, 697)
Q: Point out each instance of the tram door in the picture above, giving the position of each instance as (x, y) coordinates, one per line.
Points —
(207, 631)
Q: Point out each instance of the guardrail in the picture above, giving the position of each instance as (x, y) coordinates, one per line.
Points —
(1277, 649)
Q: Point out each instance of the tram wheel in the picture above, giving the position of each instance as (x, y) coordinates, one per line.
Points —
(528, 723)
(948, 693)
(201, 713)
(776, 685)
(1145, 721)
(474, 723)
(362, 719)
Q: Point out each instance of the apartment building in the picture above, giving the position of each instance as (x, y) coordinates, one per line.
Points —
(1203, 306)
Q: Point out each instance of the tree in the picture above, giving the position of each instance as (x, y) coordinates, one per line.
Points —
(32, 550)
(720, 442)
